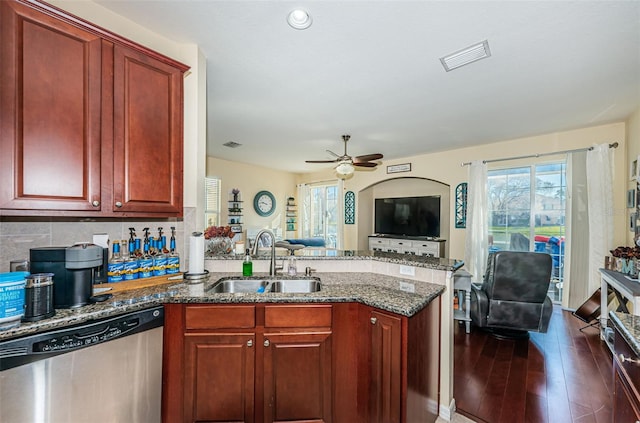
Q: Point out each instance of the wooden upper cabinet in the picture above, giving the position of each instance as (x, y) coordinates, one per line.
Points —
(147, 134)
(50, 112)
(90, 122)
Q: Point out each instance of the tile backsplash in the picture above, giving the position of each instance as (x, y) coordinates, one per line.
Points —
(18, 235)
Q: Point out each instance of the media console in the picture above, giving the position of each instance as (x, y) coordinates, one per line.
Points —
(408, 245)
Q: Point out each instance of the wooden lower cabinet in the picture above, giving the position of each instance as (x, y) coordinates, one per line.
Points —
(219, 373)
(247, 363)
(386, 368)
(626, 407)
(399, 366)
(626, 376)
(341, 362)
(297, 377)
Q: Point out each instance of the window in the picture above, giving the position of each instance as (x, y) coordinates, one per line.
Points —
(320, 211)
(527, 212)
(212, 201)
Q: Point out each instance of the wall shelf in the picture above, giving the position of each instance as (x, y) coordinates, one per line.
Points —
(234, 209)
(291, 215)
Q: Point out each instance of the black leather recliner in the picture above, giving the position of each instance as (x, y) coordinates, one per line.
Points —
(512, 299)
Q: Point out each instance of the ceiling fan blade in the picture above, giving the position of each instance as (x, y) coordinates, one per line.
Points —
(368, 157)
(333, 154)
(321, 161)
(365, 164)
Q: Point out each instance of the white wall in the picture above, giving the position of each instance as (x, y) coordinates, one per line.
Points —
(251, 179)
(633, 151)
(446, 167)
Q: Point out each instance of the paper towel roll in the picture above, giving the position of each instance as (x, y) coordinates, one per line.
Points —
(196, 253)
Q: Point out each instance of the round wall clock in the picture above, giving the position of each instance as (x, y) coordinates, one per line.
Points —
(264, 203)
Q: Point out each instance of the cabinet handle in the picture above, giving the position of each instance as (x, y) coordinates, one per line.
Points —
(250, 343)
(266, 342)
(95, 203)
(628, 359)
(118, 204)
(374, 320)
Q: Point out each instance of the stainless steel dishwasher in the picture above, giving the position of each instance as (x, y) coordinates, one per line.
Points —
(107, 370)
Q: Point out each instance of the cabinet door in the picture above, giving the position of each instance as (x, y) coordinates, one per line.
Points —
(50, 112)
(386, 377)
(626, 406)
(297, 377)
(219, 377)
(147, 155)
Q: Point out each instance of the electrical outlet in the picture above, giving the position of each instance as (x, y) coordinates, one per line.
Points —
(407, 270)
(407, 287)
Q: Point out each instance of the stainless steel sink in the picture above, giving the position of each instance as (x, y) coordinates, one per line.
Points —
(296, 285)
(230, 285)
(237, 285)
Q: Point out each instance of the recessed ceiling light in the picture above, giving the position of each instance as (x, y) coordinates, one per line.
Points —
(299, 19)
(466, 55)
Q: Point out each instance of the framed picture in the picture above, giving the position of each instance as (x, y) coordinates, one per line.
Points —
(404, 167)
(633, 170)
(631, 198)
(633, 217)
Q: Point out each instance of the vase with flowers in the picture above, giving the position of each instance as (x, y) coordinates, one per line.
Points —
(219, 239)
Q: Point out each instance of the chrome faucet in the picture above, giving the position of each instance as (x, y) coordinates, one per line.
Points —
(273, 269)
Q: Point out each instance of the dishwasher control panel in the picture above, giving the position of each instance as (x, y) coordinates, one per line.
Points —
(40, 346)
(86, 338)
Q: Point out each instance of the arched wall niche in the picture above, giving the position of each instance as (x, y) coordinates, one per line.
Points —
(400, 187)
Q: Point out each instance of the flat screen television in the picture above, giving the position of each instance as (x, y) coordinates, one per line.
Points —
(408, 216)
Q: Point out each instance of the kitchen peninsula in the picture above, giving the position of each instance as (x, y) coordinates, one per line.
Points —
(379, 317)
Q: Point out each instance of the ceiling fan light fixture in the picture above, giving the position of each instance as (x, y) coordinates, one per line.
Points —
(344, 168)
(299, 19)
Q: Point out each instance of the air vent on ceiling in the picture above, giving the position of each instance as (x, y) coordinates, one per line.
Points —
(466, 55)
(231, 144)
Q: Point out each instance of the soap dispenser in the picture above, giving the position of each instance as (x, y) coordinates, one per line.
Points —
(292, 265)
(247, 264)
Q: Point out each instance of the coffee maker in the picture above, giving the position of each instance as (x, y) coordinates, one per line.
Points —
(73, 269)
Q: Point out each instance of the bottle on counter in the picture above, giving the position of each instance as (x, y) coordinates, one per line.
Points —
(173, 258)
(160, 259)
(247, 264)
(130, 261)
(145, 262)
(138, 249)
(115, 267)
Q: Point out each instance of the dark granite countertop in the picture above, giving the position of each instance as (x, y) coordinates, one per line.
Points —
(372, 289)
(629, 327)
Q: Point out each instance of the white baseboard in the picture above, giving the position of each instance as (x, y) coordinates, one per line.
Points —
(446, 413)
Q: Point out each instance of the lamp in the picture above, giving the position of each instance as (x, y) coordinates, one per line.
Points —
(344, 168)
(299, 19)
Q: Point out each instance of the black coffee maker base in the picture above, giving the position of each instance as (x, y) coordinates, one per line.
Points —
(39, 317)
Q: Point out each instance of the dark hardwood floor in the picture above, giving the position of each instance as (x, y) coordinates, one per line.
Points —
(561, 376)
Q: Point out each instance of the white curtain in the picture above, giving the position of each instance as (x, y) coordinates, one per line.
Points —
(303, 211)
(600, 205)
(340, 211)
(476, 244)
(576, 253)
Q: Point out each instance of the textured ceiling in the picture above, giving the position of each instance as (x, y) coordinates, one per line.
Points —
(371, 69)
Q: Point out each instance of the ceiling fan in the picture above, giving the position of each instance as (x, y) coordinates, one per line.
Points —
(346, 163)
